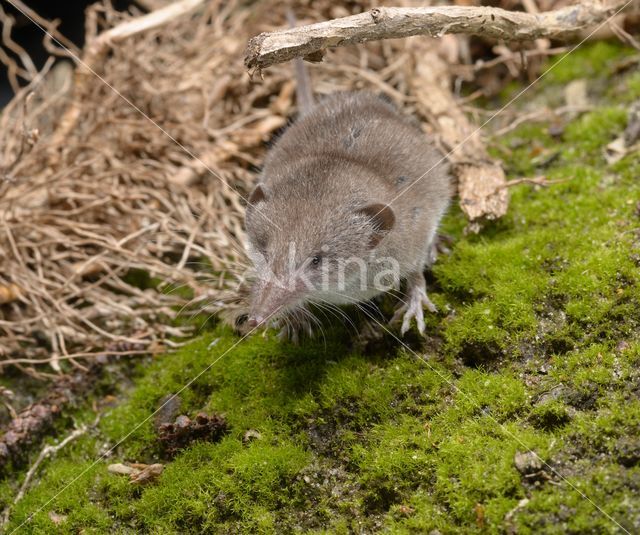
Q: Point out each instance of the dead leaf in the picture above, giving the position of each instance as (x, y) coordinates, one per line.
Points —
(121, 469)
(147, 475)
(139, 473)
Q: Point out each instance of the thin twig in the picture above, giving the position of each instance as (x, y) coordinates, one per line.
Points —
(536, 181)
(624, 36)
(84, 354)
(540, 115)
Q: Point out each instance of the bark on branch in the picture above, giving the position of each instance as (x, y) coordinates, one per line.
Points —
(32, 423)
(379, 23)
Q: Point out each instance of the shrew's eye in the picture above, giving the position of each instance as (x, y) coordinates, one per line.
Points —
(261, 245)
(315, 261)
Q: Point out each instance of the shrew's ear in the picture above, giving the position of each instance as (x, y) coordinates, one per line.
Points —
(258, 194)
(382, 219)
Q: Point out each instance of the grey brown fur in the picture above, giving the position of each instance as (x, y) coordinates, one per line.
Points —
(332, 185)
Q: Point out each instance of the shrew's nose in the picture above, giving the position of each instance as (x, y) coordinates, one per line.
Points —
(254, 321)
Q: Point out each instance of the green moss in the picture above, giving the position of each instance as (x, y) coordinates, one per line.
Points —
(593, 61)
(632, 89)
(536, 348)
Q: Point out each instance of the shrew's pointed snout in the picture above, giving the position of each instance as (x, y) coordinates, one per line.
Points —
(269, 300)
(254, 321)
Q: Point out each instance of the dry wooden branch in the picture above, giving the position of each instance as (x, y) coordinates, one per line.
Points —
(270, 48)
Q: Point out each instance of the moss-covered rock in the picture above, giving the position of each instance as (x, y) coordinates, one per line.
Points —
(537, 351)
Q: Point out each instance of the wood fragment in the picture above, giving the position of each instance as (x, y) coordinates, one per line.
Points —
(270, 48)
(479, 178)
(33, 422)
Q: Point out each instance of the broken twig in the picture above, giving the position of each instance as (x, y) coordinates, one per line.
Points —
(542, 181)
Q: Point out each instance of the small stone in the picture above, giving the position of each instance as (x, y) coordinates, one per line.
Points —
(527, 462)
(623, 345)
(182, 422)
(250, 435)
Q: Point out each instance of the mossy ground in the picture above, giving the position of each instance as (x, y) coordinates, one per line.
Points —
(535, 348)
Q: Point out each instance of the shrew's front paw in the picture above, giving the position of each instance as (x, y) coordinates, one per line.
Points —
(414, 307)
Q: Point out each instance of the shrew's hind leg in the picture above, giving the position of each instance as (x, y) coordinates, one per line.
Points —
(413, 307)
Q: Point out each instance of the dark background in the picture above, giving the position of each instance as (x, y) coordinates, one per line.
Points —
(29, 36)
